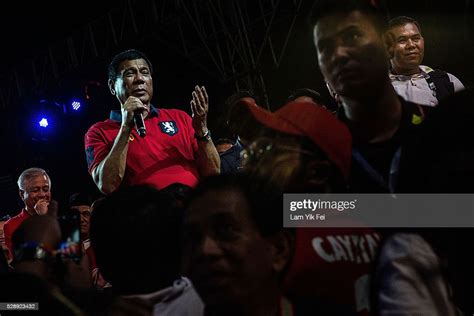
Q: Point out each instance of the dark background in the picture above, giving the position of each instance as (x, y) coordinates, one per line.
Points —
(36, 64)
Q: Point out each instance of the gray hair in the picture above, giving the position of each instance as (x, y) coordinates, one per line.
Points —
(29, 174)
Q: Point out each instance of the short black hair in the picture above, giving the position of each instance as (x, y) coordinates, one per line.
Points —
(236, 96)
(401, 21)
(178, 191)
(80, 198)
(238, 120)
(130, 54)
(373, 10)
(135, 233)
(265, 200)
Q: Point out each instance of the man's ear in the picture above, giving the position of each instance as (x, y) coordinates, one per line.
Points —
(111, 84)
(282, 244)
(22, 194)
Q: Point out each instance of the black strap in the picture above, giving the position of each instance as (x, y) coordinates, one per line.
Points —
(431, 84)
(439, 83)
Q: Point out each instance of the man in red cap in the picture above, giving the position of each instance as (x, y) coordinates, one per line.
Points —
(312, 133)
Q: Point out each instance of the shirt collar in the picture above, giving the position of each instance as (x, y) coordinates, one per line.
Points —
(25, 213)
(421, 75)
(116, 115)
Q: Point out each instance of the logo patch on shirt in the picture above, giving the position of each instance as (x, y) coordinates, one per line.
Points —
(416, 119)
(168, 127)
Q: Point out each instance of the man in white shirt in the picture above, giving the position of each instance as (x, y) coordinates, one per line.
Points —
(415, 82)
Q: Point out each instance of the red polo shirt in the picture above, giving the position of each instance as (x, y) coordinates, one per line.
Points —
(164, 156)
(10, 226)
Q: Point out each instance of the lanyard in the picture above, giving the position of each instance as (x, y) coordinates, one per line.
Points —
(375, 175)
(431, 83)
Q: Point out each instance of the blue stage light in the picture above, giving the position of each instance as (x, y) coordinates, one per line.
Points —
(76, 105)
(43, 122)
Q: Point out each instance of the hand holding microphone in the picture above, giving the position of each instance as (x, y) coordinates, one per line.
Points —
(134, 106)
(139, 124)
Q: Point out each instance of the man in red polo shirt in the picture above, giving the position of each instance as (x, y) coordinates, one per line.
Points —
(176, 149)
(34, 187)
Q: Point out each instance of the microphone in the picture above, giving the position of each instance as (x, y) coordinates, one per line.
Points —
(139, 124)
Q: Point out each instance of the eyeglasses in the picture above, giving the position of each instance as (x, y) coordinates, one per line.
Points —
(256, 149)
(267, 147)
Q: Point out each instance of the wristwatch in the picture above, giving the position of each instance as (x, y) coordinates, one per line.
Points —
(204, 138)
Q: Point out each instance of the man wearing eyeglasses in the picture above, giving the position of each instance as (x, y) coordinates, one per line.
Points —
(35, 191)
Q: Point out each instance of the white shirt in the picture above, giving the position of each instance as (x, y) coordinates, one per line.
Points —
(411, 280)
(179, 299)
(417, 90)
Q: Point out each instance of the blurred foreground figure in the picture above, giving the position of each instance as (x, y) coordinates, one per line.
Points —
(135, 234)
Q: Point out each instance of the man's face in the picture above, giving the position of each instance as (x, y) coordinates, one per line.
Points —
(36, 194)
(351, 53)
(224, 254)
(289, 165)
(85, 212)
(134, 79)
(407, 49)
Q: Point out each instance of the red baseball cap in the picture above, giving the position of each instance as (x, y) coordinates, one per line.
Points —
(312, 121)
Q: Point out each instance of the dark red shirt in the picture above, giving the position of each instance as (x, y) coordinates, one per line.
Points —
(10, 226)
(164, 156)
(333, 264)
